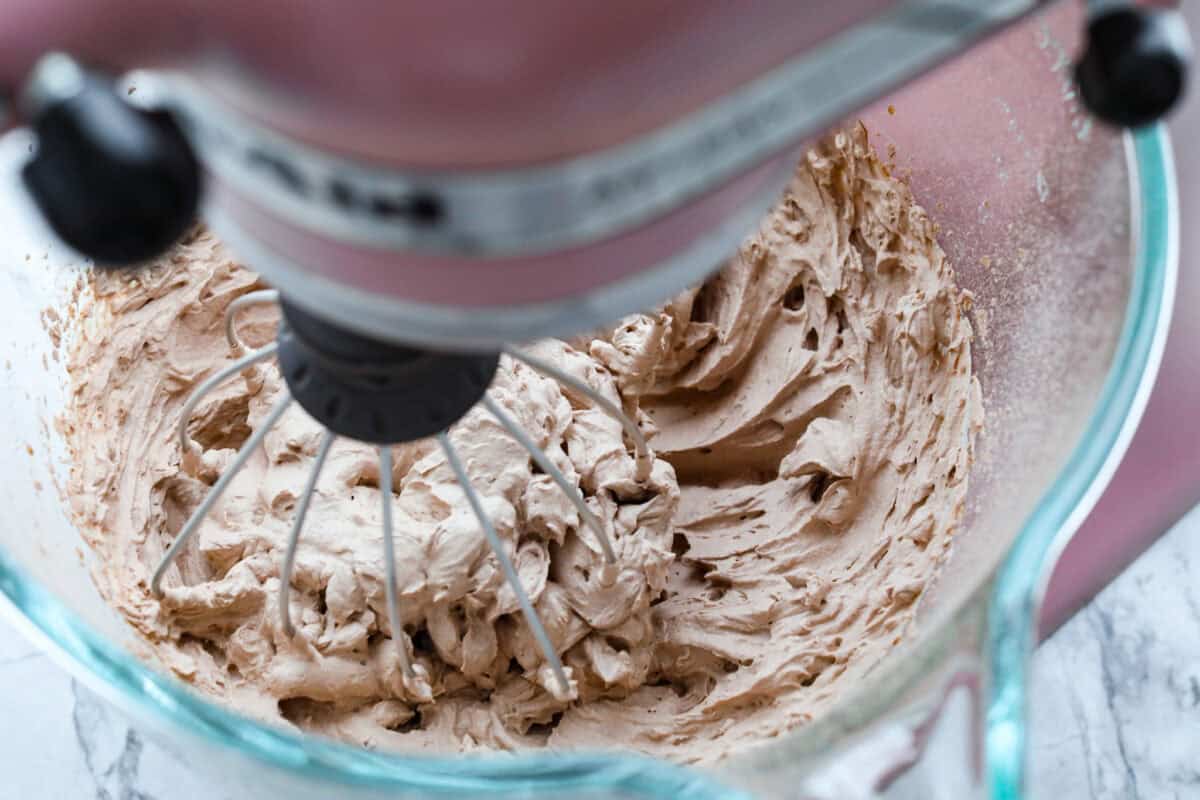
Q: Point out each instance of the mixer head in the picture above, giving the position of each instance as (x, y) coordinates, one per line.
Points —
(402, 282)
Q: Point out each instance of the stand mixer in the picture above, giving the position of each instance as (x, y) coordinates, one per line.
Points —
(416, 233)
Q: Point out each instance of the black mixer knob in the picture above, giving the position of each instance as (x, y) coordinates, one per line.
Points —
(1134, 67)
(118, 183)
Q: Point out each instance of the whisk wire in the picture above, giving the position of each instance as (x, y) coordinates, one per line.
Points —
(573, 494)
(259, 298)
(214, 494)
(506, 565)
(389, 560)
(214, 380)
(606, 405)
(542, 460)
(289, 556)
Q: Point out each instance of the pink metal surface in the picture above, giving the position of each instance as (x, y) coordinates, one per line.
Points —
(1159, 479)
(452, 83)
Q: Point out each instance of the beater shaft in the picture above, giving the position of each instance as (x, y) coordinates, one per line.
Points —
(289, 556)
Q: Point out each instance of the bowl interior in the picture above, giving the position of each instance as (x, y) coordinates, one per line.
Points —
(1034, 203)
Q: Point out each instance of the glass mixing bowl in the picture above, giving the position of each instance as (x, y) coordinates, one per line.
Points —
(1064, 231)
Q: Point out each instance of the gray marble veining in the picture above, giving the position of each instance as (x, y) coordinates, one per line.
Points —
(59, 740)
(1116, 705)
(1117, 690)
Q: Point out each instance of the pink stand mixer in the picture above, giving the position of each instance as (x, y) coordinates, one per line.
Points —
(428, 186)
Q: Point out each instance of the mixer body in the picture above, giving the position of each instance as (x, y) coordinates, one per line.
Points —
(544, 174)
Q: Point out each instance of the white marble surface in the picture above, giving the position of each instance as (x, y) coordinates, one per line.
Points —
(1116, 705)
(58, 741)
(1117, 689)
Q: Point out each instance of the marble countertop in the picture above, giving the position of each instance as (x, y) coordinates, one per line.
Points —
(1116, 704)
(1116, 696)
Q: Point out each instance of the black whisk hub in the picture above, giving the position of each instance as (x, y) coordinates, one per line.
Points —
(372, 390)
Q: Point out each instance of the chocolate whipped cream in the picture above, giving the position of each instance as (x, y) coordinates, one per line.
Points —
(811, 409)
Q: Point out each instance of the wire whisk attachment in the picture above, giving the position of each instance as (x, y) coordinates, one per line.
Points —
(365, 366)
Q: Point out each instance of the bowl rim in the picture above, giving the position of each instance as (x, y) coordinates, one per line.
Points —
(1024, 575)
(159, 698)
